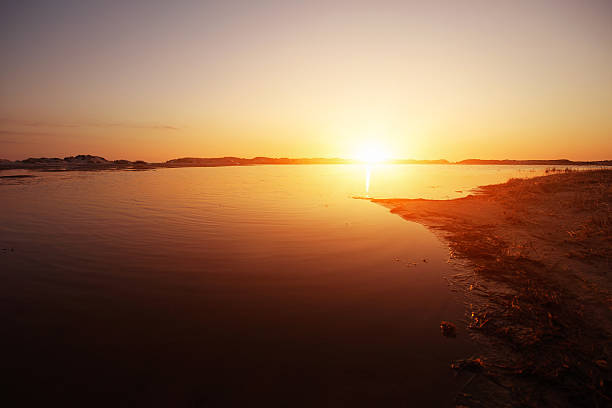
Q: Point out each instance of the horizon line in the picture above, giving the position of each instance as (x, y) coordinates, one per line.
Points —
(185, 159)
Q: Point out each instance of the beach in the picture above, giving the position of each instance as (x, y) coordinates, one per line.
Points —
(539, 292)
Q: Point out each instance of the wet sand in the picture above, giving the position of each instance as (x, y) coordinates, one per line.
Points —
(540, 294)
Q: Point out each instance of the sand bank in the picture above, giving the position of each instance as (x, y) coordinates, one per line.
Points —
(539, 286)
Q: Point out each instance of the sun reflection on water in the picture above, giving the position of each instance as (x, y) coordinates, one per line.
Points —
(367, 181)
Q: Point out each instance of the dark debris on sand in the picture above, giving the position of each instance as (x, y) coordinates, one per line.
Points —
(539, 287)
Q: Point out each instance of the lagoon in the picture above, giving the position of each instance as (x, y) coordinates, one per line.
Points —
(227, 286)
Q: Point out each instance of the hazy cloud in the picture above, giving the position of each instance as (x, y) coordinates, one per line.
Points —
(43, 124)
(20, 133)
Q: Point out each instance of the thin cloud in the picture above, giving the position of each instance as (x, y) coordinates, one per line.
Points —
(130, 126)
(22, 133)
(29, 123)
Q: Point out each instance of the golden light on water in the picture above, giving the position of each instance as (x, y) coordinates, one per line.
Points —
(367, 183)
(371, 152)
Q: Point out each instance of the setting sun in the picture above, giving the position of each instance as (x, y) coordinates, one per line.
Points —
(371, 152)
(306, 203)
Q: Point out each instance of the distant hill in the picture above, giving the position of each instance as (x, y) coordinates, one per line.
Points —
(91, 162)
(238, 161)
(81, 161)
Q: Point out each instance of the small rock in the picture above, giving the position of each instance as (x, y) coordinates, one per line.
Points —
(448, 329)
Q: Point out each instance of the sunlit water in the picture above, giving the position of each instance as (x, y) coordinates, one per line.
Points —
(230, 286)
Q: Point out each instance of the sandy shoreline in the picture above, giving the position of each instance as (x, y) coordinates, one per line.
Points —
(540, 300)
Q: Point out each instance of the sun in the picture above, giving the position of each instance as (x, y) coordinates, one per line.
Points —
(371, 152)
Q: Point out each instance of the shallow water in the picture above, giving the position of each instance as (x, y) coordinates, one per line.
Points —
(230, 286)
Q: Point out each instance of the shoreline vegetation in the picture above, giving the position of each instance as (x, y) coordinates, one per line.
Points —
(90, 162)
(538, 286)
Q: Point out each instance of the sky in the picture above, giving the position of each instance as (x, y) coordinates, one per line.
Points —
(154, 80)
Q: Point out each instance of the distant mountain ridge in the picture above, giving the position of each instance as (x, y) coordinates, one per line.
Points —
(70, 162)
(238, 161)
(87, 162)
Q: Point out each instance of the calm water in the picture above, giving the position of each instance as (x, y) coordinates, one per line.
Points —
(229, 286)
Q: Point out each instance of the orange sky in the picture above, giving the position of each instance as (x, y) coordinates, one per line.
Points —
(445, 79)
